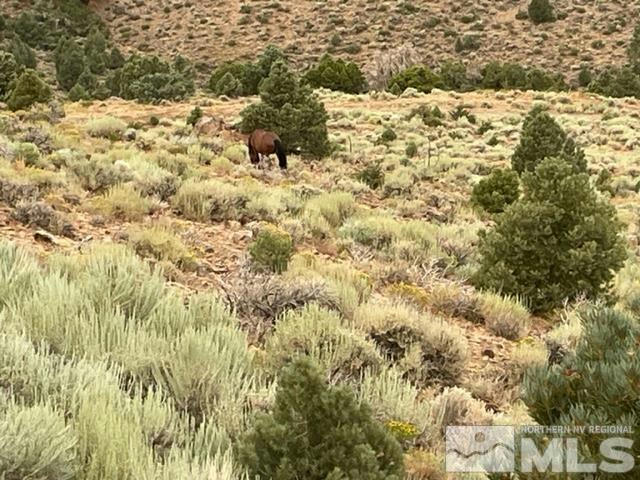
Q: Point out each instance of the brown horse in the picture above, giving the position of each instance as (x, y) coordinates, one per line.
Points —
(262, 142)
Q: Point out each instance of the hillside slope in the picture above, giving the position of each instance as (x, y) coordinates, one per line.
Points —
(209, 31)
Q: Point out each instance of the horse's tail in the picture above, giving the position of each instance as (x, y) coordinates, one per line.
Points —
(281, 153)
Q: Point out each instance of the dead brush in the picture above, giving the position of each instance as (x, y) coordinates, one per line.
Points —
(41, 215)
(259, 299)
(12, 192)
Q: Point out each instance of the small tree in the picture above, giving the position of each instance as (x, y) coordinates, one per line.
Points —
(584, 77)
(453, 76)
(542, 137)
(336, 74)
(559, 241)
(317, 432)
(419, 77)
(194, 116)
(290, 110)
(541, 11)
(595, 385)
(617, 82)
(150, 79)
(237, 71)
(9, 71)
(69, 61)
(29, 89)
(496, 192)
(229, 86)
(88, 81)
(23, 53)
(78, 93)
(115, 59)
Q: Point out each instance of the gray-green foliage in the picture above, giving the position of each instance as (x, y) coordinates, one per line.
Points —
(115, 374)
(36, 443)
(595, 384)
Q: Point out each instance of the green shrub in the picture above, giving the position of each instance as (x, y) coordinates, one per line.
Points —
(317, 432)
(616, 82)
(149, 79)
(123, 202)
(500, 76)
(228, 86)
(88, 81)
(419, 77)
(29, 89)
(541, 11)
(453, 75)
(336, 74)
(426, 349)
(558, 242)
(584, 77)
(9, 71)
(272, 249)
(69, 62)
(78, 93)
(115, 59)
(411, 149)
(22, 53)
(387, 136)
(496, 192)
(467, 42)
(194, 116)
(542, 137)
(231, 71)
(162, 244)
(597, 384)
(460, 112)
(31, 29)
(372, 175)
(244, 78)
(431, 116)
(290, 110)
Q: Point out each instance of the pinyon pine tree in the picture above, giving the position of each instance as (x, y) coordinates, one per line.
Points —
(28, 89)
(291, 110)
(559, 241)
(542, 137)
(318, 432)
